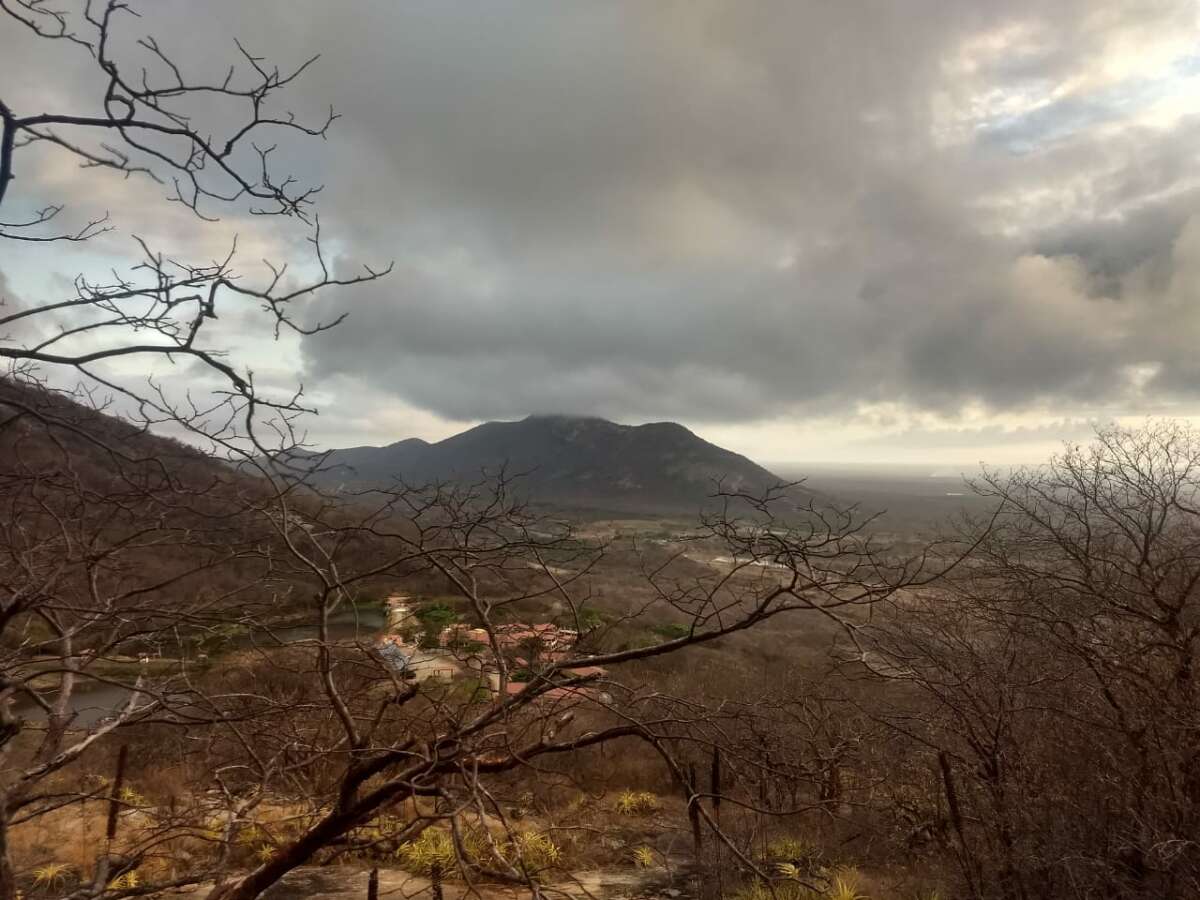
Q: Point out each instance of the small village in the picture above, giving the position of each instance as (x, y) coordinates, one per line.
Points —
(505, 659)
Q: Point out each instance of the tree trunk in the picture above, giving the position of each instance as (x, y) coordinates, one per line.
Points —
(968, 858)
(693, 811)
(8, 877)
(715, 785)
(114, 797)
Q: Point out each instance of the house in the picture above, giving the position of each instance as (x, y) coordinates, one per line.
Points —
(461, 634)
(545, 637)
(410, 661)
(579, 692)
(523, 646)
(586, 671)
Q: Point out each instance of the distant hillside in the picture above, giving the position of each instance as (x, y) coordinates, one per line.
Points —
(567, 461)
(47, 432)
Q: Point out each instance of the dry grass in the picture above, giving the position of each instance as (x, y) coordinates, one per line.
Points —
(64, 837)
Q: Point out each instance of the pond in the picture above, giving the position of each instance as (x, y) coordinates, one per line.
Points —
(93, 701)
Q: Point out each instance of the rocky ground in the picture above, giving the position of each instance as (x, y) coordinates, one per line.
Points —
(655, 883)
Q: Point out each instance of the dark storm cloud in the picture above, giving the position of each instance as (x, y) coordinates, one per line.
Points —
(727, 211)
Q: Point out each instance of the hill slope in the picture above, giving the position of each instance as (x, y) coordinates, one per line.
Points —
(567, 461)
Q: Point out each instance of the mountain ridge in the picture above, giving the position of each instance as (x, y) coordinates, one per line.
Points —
(566, 460)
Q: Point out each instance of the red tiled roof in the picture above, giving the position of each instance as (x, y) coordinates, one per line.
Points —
(516, 687)
(584, 671)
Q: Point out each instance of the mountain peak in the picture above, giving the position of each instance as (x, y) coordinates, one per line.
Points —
(564, 417)
(407, 443)
(571, 461)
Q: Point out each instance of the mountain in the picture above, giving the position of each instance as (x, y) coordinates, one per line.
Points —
(566, 461)
(47, 433)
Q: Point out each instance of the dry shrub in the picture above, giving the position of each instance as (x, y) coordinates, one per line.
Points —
(636, 803)
(530, 851)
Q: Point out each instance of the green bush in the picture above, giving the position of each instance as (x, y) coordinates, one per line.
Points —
(437, 614)
(589, 618)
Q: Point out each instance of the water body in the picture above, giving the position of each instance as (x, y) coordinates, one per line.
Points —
(345, 626)
(93, 701)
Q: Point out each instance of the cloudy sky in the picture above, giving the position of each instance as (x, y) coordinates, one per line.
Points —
(865, 230)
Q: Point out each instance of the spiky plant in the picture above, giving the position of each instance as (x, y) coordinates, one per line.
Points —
(845, 886)
(788, 870)
(250, 835)
(131, 797)
(51, 875)
(786, 890)
(476, 845)
(807, 857)
(535, 852)
(432, 851)
(794, 848)
(130, 879)
(635, 803)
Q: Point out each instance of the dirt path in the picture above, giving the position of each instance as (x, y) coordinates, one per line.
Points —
(602, 884)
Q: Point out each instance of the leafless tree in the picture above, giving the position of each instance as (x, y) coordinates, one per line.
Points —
(292, 750)
(165, 307)
(116, 543)
(1054, 674)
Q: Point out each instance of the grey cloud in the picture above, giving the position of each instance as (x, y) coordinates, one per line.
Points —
(900, 308)
(727, 211)
(807, 134)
